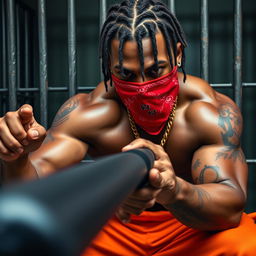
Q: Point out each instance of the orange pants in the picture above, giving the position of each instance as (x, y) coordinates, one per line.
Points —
(159, 233)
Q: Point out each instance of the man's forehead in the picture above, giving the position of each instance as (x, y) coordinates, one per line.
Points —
(130, 48)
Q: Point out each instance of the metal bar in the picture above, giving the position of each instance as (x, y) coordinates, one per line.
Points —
(18, 43)
(28, 89)
(171, 5)
(251, 161)
(204, 50)
(103, 11)
(249, 84)
(26, 50)
(4, 81)
(103, 14)
(237, 75)
(50, 89)
(34, 50)
(72, 47)
(12, 72)
(81, 88)
(222, 85)
(43, 62)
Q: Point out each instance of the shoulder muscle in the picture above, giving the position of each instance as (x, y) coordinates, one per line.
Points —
(216, 121)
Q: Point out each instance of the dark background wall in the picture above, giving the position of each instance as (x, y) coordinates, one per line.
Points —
(188, 12)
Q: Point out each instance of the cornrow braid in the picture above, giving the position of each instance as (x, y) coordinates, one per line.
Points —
(135, 20)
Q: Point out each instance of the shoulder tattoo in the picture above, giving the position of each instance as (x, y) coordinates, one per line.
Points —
(230, 122)
(65, 110)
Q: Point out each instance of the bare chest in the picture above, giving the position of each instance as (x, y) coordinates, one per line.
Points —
(180, 145)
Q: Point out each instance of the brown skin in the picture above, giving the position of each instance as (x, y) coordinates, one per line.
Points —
(200, 175)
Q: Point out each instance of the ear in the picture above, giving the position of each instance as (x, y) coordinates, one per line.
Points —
(179, 54)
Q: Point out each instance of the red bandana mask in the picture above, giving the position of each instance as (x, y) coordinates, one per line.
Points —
(150, 103)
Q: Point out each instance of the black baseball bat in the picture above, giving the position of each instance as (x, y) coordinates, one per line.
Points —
(60, 214)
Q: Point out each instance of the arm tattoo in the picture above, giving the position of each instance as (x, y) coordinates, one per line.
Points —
(230, 122)
(189, 215)
(63, 113)
(196, 164)
(202, 196)
(209, 174)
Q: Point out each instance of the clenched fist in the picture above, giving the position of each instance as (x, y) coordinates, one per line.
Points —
(19, 133)
(162, 185)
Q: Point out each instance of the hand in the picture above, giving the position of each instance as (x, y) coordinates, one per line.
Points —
(162, 186)
(19, 133)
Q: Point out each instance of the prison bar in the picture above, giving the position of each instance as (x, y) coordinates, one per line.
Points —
(12, 62)
(4, 70)
(43, 62)
(171, 5)
(17, 10)
(58, 215)
(251, 161)
(204, 46)
(72, 47)
(27, 49)
(103, 12)
(3, 45)
(102, 16)
(237, 75)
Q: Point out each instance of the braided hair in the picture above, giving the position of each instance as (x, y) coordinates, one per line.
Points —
(135, 20)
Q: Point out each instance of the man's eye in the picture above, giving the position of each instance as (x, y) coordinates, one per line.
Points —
(126, 75)
(156, 72)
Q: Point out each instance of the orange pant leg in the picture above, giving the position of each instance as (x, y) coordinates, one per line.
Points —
(116, 239)
(160, 234)
(240, 241)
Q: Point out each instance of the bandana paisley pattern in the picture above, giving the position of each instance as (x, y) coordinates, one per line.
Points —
(150, 103)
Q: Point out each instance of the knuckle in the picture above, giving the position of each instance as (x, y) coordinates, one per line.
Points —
(9, 115)
(13, 145)
(166, 162)
(140, 140)
(146, 194)
(3, 150)
(20, 134)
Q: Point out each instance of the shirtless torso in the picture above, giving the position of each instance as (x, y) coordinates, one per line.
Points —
(200, 162)
(98, 124)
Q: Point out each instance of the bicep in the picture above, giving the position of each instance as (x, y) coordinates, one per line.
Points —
(220, 164)
(57, 151)
(220, 159)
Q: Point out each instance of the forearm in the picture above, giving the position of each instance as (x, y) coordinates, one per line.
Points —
(207, 206)
(18, 170)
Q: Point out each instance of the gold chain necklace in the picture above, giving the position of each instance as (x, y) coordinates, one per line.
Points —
(168, 127)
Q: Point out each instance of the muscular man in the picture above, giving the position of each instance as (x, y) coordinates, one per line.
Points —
(198, 182)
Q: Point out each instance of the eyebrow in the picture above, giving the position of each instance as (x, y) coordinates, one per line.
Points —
(118, 66)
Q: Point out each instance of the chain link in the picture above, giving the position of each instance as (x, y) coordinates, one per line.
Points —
(168, 127)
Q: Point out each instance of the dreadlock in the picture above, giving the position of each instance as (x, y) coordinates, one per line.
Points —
(135, 20)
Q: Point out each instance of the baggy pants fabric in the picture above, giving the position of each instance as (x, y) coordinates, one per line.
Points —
(161, 234)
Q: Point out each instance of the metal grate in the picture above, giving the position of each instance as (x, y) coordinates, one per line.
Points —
(11, 32)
